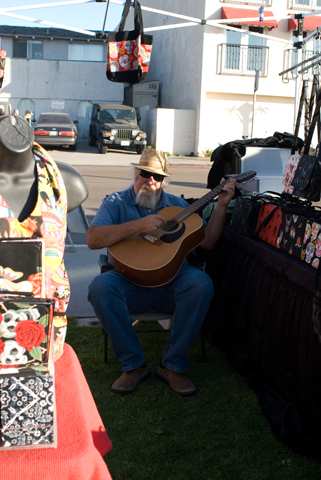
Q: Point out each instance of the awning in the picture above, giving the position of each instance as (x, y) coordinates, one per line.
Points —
(234, 13)
(310, 23)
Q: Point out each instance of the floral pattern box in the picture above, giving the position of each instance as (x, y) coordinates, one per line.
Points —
(25, 334)
(21, 266)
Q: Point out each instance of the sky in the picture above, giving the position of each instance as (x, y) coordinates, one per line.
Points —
(89, 16)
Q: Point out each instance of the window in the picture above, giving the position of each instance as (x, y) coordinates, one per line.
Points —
(86, 52)
(20, 49)
(115, 115)
(28, 49)
(233, 50)
(257, 53)
(245, 53)
(307, 4)
(35, 50)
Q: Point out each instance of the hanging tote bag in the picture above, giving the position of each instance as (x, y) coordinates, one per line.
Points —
(307, 177)
(129, 52)
(3, 55)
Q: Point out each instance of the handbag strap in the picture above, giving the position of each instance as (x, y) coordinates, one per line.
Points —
(313, 124)
(139, 26)
(124, 15)
(138, 17)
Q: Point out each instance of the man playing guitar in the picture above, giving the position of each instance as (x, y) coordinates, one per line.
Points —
(135, 212)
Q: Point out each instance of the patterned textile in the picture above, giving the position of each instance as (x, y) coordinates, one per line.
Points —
(269, 223)
(245, 214)
(48, 222)
(311, 251)
(25, 334)
(3, 55)
(127, 55)
(291, 234)
(27, 411)
(289, 172)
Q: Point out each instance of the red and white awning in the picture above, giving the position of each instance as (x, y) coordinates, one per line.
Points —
(310, 23)
(247, 17)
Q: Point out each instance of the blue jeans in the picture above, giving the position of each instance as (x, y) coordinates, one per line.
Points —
(114, 298)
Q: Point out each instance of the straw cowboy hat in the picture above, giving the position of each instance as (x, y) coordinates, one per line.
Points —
(153, 161)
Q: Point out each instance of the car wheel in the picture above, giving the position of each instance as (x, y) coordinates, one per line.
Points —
(102, 148)
(139, 149)
(73, 147)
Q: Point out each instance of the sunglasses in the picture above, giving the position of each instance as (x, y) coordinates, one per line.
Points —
(156, 176)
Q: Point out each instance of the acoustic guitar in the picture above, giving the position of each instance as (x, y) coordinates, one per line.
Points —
(154, 260)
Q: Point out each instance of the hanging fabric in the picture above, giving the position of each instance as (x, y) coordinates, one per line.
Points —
(129, 52)
(3, 55)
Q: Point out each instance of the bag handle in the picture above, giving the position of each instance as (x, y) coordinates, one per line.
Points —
(138, 17)
(124, 15)
(139, 26)
(313, 124)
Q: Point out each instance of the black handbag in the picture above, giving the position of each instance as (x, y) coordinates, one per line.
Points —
(129, 52)
(307, 178)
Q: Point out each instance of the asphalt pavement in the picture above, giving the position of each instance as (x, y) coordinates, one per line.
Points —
(86, 155)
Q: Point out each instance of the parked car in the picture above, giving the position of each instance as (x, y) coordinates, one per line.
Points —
(115, 126)
(56, 129)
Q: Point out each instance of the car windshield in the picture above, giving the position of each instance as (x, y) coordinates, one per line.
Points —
(55, 118)
(115, 115)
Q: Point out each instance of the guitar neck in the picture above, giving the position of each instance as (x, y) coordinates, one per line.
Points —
(201, 202)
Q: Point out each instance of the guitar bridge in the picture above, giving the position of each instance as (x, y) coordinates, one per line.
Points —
(151, 238)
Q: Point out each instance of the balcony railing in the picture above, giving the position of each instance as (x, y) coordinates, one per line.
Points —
(242, 59)
(267, 3)
(291, 59)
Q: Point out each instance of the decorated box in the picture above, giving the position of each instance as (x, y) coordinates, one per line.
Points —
(21, 266)
(25, 334)
(28, 413)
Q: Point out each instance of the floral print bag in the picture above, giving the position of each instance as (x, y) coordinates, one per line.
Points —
(129, 52)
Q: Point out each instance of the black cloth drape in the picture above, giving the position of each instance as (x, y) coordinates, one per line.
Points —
(262, 317)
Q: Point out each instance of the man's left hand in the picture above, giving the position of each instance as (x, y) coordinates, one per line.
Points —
(227, 193)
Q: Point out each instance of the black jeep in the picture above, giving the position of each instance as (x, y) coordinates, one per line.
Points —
(115, 126)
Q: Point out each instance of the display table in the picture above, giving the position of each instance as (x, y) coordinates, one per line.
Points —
(262, 318)
(82, 438)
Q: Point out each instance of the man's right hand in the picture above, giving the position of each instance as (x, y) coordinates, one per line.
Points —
(150, 223)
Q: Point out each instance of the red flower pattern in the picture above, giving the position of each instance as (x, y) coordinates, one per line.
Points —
(30, 334)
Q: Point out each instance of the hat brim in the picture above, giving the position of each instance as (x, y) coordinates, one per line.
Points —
(150, 169)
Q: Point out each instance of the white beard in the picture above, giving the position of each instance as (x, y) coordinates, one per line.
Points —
(147, 198)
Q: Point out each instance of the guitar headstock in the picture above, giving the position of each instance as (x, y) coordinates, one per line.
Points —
(242, 177)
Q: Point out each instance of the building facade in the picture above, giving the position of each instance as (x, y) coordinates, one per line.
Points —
(204, 70)
(49, 69)
(212, 70)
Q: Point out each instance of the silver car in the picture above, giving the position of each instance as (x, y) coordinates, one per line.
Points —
(56, 129)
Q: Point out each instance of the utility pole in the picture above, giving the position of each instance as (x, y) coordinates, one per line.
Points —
(298, 44)
(256, 86)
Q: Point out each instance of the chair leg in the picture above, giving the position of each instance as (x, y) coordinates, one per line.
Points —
(105, 346)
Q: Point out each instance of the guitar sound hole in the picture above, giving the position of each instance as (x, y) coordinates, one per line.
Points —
(170, 225)
(170, 237)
